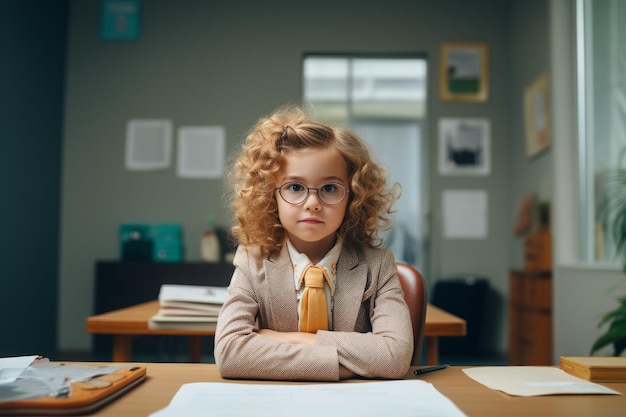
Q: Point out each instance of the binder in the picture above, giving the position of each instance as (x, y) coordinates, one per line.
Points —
(83, 397)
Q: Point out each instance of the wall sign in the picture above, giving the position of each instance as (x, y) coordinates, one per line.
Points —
(120, 20)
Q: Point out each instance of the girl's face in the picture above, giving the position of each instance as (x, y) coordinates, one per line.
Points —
(312, 225)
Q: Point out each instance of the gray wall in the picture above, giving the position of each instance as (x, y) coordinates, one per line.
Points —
(227, 63)
(198, 63)
(531, 57)
(202, 63)
(32, 72)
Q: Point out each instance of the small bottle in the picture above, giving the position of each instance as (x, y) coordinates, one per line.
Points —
(210, 244)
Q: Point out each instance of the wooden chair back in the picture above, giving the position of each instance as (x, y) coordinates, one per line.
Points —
(414, 289)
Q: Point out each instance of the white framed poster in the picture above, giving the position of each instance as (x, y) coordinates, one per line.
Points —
(148, 144)
(201, 151)
(464, 146)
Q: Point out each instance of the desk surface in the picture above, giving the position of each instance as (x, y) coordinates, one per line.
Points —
(471, 397)
(134, 321)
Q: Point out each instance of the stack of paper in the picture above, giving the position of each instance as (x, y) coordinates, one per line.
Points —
(188, 307)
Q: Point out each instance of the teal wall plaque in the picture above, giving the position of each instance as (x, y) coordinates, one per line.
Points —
(120, 20)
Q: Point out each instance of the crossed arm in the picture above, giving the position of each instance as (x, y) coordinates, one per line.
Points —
(299, 338)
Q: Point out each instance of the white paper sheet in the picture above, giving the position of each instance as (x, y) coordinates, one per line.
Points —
(527, 381)
(389, 398)
(201, 151)
(148, 144)
(12, 367)
(25, 377)
(464, 214)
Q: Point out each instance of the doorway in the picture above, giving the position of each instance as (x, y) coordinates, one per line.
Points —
(383, 100)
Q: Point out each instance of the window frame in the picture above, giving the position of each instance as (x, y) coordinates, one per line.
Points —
(592, 251)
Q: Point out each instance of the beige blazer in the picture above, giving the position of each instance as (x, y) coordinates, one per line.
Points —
(372, 334)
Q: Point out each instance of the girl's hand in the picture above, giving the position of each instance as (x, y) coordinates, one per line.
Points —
(288, 337)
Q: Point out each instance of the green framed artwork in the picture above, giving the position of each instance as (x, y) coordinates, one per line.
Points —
(464, 72)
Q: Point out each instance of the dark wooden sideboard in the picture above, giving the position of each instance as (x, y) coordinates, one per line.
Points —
(124, 283)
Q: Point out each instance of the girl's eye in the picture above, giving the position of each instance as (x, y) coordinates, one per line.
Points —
(295, 187)
(329, 188)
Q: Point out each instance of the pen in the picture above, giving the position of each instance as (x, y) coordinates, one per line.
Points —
(427, 369)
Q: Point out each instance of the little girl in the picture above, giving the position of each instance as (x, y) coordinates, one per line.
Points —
(313, 296)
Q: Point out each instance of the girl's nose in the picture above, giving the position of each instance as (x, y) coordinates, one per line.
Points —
(312, 202)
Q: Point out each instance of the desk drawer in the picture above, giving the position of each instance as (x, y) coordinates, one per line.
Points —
(530, 317)
(538, 293)
(516, 289)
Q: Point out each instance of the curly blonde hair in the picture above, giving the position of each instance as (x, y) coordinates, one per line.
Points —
(262, 158)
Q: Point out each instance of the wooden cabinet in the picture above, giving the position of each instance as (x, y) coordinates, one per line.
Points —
(530, 317)
(538, 251)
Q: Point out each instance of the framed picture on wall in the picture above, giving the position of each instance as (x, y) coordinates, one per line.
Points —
(537, 116)
(464, 72)
(148, 144)
(464, 147)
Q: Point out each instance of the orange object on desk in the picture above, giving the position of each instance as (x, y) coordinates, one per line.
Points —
(83, 397)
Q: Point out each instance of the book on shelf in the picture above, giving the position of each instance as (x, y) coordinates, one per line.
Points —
(187, 307)
(595, 368)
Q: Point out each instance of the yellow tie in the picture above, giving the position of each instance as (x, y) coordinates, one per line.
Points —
(313, 310)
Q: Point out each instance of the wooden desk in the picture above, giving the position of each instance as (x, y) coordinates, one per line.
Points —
(440, 323)
(474, 399)
(125, 323)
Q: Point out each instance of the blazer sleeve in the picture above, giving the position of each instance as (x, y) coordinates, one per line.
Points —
(386, 350)
(242, 353)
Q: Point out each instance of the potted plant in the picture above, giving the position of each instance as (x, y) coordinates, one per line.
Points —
(612, 215)
(616, 332)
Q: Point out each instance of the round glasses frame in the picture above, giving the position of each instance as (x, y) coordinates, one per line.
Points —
(302, 199)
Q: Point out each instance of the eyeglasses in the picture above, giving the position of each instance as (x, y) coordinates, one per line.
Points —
(296, 193)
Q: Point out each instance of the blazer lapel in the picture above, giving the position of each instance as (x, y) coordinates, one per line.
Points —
(281, 291)
(349, 290)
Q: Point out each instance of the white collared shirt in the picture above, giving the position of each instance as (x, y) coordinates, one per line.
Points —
(300, 261)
